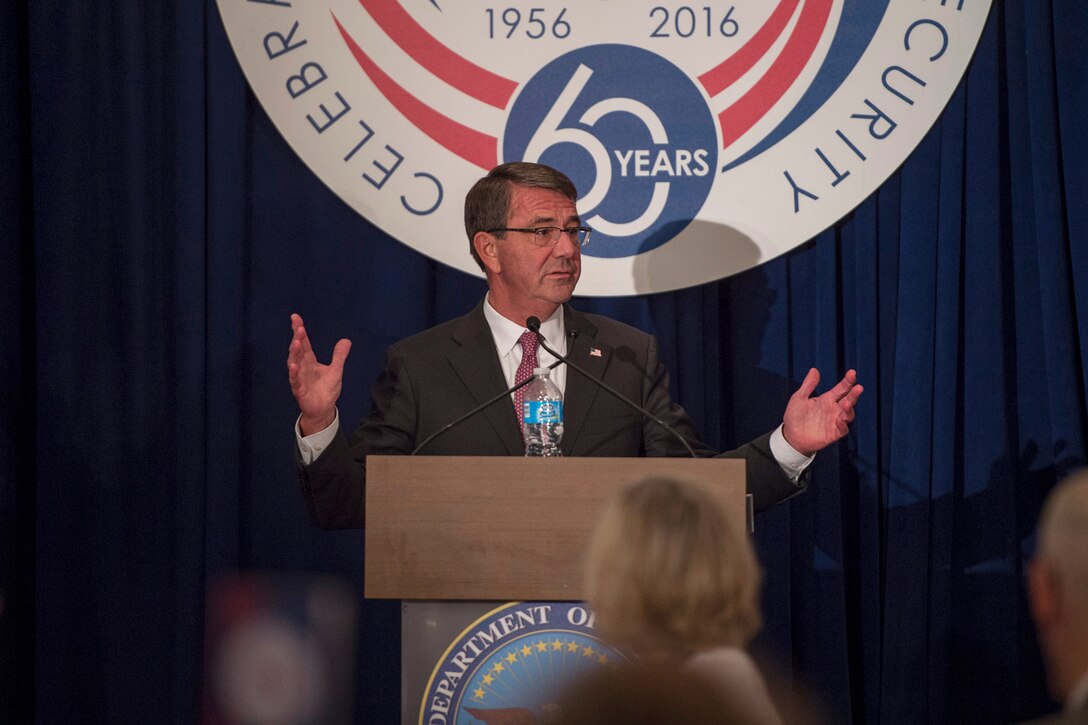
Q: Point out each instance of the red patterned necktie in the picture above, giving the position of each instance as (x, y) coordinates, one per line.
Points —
(525, 371)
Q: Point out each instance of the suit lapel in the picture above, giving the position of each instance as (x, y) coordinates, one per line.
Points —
(476, 361)
(593, 356)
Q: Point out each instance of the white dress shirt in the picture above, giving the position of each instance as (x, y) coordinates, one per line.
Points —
(507, 334)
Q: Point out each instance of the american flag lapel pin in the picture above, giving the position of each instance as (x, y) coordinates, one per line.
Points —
(594, 352)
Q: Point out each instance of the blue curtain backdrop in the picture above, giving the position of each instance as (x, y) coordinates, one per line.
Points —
(157, 232)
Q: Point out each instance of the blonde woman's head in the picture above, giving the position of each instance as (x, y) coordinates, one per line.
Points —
(666, 570)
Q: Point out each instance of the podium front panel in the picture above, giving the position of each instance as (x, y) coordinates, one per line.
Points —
(504, 528)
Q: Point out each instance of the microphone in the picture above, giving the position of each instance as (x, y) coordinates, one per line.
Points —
(533, 323)
(486, 404)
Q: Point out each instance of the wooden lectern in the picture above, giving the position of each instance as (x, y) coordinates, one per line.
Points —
(454, 535)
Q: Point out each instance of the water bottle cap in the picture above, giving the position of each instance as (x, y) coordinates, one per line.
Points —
(541, 371)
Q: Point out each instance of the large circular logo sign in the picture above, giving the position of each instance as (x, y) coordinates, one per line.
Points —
(703, 138)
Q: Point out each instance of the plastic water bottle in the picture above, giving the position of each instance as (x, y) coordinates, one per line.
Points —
(542, 415)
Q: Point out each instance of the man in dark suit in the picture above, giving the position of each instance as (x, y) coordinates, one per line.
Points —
(525, 233)
(1058, 591)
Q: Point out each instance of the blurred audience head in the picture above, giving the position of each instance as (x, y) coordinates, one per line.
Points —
(642, 694)
(279, 650)
(668, 571)
(1058, 588)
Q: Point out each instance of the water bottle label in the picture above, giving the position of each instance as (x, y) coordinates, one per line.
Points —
(542, 411)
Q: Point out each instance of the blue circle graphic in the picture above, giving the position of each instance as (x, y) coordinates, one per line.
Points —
(633, 132)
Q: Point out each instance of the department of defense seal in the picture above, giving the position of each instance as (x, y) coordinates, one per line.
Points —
(514, 662)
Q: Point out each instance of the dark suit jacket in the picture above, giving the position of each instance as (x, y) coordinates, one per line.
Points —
(432, 378)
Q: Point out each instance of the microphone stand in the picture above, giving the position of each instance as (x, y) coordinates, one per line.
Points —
(533, 324)
(474, 411)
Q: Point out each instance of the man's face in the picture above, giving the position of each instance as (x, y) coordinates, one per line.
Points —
(526, 279)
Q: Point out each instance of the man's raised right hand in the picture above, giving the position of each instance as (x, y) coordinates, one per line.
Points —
(316, 387)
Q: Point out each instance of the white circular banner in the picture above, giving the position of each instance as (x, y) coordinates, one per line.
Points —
(704, 139)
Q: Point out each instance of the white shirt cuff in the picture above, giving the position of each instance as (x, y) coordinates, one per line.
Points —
(313, 445)
(793, 463)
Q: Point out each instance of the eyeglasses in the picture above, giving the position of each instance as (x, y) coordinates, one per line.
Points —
(549, 236)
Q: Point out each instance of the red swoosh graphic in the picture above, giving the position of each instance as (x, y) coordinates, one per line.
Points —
(723, 75)
(471, 145)
(442, 62)
(750, 107)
